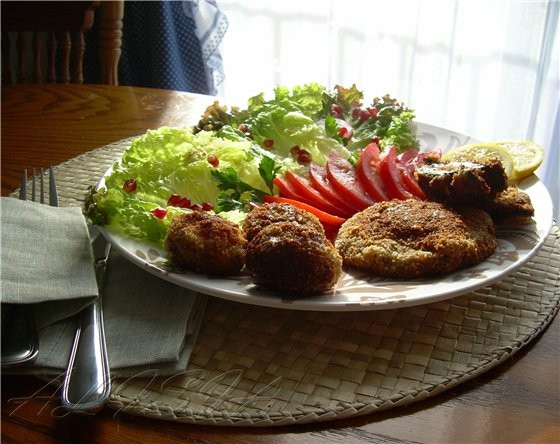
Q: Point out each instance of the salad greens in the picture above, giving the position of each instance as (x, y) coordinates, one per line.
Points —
(230, 158)
(310, 117)
(167, 162)
(390, 123)
(238, 194)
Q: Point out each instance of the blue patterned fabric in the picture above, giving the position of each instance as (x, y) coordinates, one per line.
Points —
(169, 45)
(210, 26)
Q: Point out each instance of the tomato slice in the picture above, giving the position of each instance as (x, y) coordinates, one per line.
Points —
(406, 166)
(368, 172)
(287, 189)
(319, 180)
(343, 177)
(392, 176)
(408, 159)
(323, 216)
(312, 196)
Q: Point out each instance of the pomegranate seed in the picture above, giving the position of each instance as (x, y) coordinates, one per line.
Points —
(184, 202)
(196, 207)
(295, 150)
(177, 201)
(243, 128)
(130, 186)
(268, 143)
(304, 157)
(337, 110)
(343, 132)
(160, 213)
(372, 112)
(361, 114)
(173, 200)
(213, 160)
(207, 206)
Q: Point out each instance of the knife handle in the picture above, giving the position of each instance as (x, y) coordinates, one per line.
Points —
(87, 383)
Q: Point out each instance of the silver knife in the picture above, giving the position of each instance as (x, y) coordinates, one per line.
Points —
(87, 382)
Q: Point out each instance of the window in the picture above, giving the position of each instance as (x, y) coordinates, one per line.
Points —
(489, 69)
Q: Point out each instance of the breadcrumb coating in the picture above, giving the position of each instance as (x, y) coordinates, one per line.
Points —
(203, 242)
(413, 239)
(461, 183)
(511, 206)
(270, 213)
(293, 258)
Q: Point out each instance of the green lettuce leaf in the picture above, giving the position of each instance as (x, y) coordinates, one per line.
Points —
(170, 161)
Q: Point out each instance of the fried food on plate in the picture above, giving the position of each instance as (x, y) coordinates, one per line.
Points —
(293, 258)
(270, 213)
(511, 206)
(206, 243)
(483, 185)
(288, 250)
(482, 153)
(462, 182)
(412, 239)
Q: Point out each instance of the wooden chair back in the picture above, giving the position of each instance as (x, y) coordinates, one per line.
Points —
(43, 41)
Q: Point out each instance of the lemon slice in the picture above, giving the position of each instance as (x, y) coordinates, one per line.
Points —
(481, 152)
(527, 156)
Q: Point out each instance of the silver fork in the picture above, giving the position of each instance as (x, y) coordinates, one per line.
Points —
(20, 343)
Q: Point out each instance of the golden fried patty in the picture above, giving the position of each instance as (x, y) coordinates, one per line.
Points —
(461, 182)
(206, 243)
(511, 206)
(293, 258)
(411, 238)
(270, 213)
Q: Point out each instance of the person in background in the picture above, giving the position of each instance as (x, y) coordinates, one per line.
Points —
(168, 45)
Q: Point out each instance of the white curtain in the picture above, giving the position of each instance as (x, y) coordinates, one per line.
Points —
(489, 69)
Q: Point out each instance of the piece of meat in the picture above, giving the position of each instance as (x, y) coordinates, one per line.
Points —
(413, 239)
(461, 183)
(511, 206)
(294, 259)
(203, 242)
(269, 213)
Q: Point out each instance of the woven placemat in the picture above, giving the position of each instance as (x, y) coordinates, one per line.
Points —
(255, 366)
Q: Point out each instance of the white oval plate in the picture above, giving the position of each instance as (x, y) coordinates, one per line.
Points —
(357, 290)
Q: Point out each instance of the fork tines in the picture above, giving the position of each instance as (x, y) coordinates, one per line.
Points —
(53, 193)
(23, 186)
(53, 197)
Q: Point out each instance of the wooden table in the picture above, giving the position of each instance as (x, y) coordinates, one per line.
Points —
(44, 125)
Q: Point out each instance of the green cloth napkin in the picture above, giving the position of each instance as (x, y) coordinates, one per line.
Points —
(45, 258)
(151, 325)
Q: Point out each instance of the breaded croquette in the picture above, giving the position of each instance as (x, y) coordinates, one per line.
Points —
(203, 242)
(461, 182)
(483, 185)
(413, 239)
(269, 213)
(293, 258)
(511, 206)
